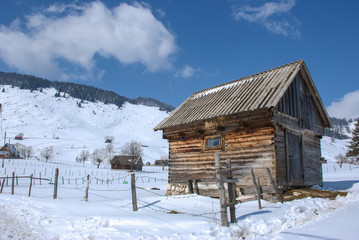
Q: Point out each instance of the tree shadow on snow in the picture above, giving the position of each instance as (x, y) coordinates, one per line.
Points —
(252, 214)
(149, 204)
(339, 185)
(307, 236)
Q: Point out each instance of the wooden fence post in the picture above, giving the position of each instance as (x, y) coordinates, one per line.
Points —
(13, 183)
(30, 184)
(87, 188)
(40, 178)
(231, 193)
(279, 193)
(221, 191)
(190, 186)
(2, 185)
(56, 182)
(133, 188)
(258, 190)
(196, 189)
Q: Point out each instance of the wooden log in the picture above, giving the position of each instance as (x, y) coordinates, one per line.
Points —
(231, 193)
(31, 176)
(196, 189)
(87, 188)
(13, 183)
(279, 194)
(56, 182)
(190, 186)
(133, 190)
(221, 189)
(257, 189)
(2, 185)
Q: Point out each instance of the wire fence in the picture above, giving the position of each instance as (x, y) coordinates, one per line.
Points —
(115, 190)
(38, 179)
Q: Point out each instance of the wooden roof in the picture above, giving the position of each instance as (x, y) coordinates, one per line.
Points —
(262, 90)
(123, 159)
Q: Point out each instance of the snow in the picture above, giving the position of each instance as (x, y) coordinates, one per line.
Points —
(108, 212)
(219, 88)
(49, 121)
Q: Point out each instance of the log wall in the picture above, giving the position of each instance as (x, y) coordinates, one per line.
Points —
(245, 144)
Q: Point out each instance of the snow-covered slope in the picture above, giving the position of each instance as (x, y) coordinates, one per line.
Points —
(332, 147)
(46, 120)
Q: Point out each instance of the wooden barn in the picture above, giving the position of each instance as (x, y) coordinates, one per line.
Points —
(126, 162)
(274, 119)
(9, 151)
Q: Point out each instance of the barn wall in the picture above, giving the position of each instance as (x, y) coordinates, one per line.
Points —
(312, 162)
(298, 103)
(311, 154)
(245, 144)
(297, 114)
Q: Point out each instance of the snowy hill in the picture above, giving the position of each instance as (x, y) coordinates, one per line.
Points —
(46, 120)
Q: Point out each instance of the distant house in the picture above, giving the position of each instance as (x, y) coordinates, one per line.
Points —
(9, 151)
(161, 163)
(274, 119)
(126, 162)
(20, 136)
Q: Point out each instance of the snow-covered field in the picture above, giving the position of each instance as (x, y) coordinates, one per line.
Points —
(48, 121)
(108, 213)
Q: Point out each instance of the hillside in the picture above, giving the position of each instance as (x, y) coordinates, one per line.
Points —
(80, 91)
(342, 128)
(71, 125)
(46, 120)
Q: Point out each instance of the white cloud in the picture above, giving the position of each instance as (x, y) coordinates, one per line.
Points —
(346, 107)
(186, 72)
(70, 34)
(270, 15)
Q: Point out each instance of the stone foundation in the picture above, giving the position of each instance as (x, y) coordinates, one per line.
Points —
(205, 189)
(244, 193)
(177, 189)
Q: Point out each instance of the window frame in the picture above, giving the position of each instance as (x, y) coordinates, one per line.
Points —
(220, 143)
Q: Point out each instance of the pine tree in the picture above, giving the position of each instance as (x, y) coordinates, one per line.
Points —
(353, 148)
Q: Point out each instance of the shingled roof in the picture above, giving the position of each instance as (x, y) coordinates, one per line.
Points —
(262, 90)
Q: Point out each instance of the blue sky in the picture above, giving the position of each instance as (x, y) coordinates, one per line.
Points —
(169, 49)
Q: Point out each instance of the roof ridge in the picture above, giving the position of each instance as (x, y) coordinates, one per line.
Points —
(244, 78)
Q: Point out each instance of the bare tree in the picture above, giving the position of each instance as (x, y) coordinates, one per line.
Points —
(21, 149)
(47, 153)
(133, 149)
(29, 152)
(98, 156)
(164, 160)
(110, 150)
(84, 156)
(109, 139)
(25, 152)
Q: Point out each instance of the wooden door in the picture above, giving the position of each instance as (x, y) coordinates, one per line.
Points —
(294, 154)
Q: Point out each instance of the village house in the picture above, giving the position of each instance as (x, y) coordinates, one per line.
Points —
(274, 119)
(126, 162)
(9, 151)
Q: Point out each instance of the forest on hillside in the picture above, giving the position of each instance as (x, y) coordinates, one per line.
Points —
(80, 91)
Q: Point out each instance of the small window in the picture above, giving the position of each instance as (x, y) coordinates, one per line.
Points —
(213, 142)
